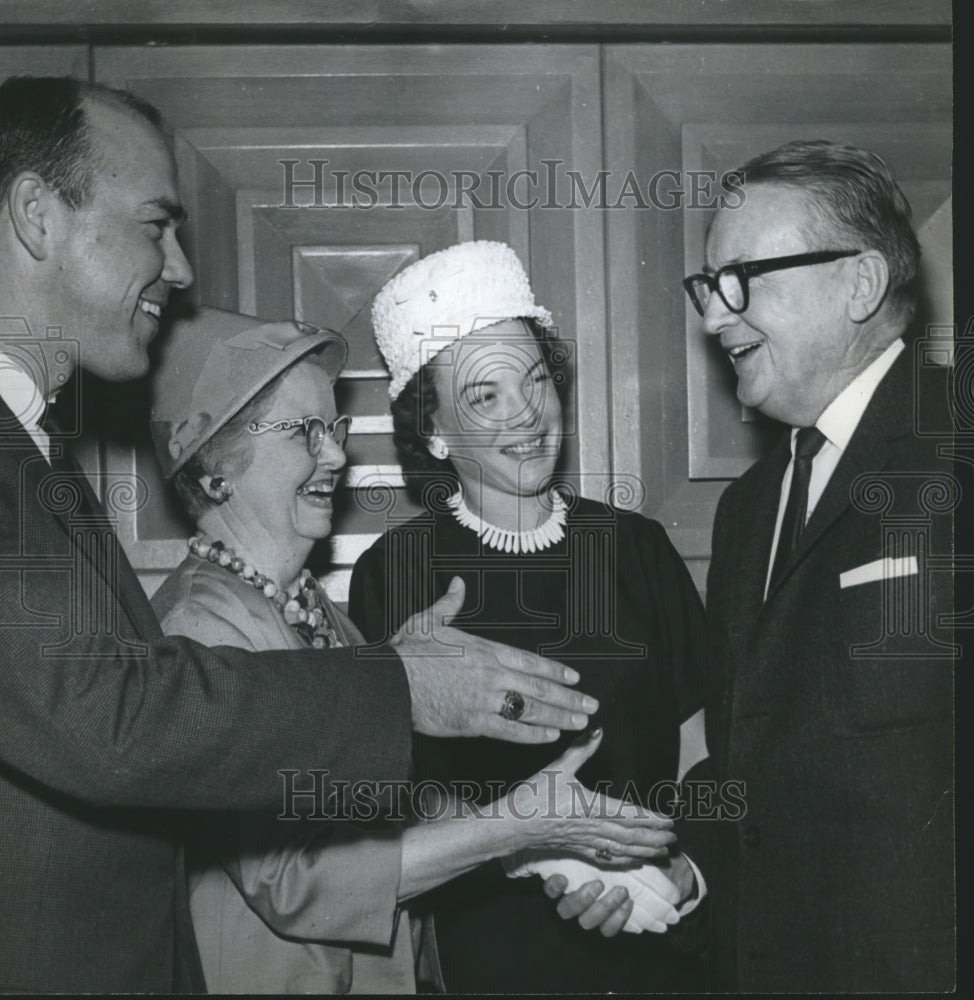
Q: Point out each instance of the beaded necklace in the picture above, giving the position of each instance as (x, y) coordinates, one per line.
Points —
(507, 540)
(300, 604)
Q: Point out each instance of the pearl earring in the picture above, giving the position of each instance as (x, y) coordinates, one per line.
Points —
(220, 490)
(438, 448)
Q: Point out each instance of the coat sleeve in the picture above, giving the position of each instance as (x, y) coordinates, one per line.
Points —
(332, 882)
(682, 621)
(307, 879)
(697, 832)
(680, 613)
(113, 714)
(720, 578)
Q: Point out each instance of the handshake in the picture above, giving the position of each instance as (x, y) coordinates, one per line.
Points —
(462, 685)
(623, 873)
(632, 900)
(628, 883)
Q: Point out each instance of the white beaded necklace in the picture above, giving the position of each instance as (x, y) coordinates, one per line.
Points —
(507, 540)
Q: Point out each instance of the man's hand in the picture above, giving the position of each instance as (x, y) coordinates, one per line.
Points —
(646, 902)
(607, 911)
(458, 682)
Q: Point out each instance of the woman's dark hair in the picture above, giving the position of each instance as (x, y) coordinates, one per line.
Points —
(413, 409)
(231, 450)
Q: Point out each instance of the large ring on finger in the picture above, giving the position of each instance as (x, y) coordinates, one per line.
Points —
(604, 854)
(513, 706)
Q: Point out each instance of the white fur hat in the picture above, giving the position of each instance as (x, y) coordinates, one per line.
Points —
(445, 296)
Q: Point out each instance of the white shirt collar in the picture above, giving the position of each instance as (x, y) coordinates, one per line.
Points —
(21, 394)
(25, 400)
(841, 417)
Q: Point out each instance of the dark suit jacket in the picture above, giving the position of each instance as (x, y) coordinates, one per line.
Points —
(108, 730)
(834, 706)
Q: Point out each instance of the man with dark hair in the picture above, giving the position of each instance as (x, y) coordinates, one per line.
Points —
(828, 592)
(107, 729)
(45, 129)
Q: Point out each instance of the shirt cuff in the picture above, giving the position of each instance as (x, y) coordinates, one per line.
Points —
(689, 905)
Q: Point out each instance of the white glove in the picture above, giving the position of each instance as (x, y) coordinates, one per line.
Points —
(653, 895)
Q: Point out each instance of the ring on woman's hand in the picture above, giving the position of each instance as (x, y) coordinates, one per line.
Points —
(604, 854)
(513, 706)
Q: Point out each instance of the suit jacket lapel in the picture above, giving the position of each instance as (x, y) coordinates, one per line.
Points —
(33, 467)
(869, 450)
(761, 511)
(755, 513)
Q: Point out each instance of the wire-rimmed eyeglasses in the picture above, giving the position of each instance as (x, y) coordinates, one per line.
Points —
(731, 281)
(315, 429)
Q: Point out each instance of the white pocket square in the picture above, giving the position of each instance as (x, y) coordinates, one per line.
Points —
(881, 569)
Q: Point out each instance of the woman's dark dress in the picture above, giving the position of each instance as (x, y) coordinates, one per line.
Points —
(613, 600)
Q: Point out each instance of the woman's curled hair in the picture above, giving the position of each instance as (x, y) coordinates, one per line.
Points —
(414, 407)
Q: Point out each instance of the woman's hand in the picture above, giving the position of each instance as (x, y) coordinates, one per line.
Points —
(556, 813)
(549, 816)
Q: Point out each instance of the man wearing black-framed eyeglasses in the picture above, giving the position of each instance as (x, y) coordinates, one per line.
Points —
(731, 281)
(832, 667)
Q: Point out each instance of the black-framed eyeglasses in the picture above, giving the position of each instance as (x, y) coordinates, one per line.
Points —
(731, 281)
(316, 429)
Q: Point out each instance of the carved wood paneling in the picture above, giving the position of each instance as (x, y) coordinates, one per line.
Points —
(43, 60)
(470, 117)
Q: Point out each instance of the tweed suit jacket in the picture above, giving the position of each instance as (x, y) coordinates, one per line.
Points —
(110, 731)
(832, 702)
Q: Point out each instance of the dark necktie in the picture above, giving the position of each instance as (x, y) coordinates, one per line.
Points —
(59, 457)
(808, 443)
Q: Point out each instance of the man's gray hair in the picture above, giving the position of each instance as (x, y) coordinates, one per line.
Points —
(852, 195)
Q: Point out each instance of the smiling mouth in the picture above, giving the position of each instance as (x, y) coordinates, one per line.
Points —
(320, 490)
(736, 354)
(153, 309)
(524, 447)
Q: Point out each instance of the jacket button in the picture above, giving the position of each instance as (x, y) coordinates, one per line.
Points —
(752, 836)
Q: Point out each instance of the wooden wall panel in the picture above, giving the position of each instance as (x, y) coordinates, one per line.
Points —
(466, 113)
(43, 60)
(549, 19)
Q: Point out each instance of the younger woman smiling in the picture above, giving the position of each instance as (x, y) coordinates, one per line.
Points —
(245, 422)
(476, 386)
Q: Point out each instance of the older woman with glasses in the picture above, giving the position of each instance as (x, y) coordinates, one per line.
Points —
(245, 423)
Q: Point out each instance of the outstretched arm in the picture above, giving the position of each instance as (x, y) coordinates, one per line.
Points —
(459, 683)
